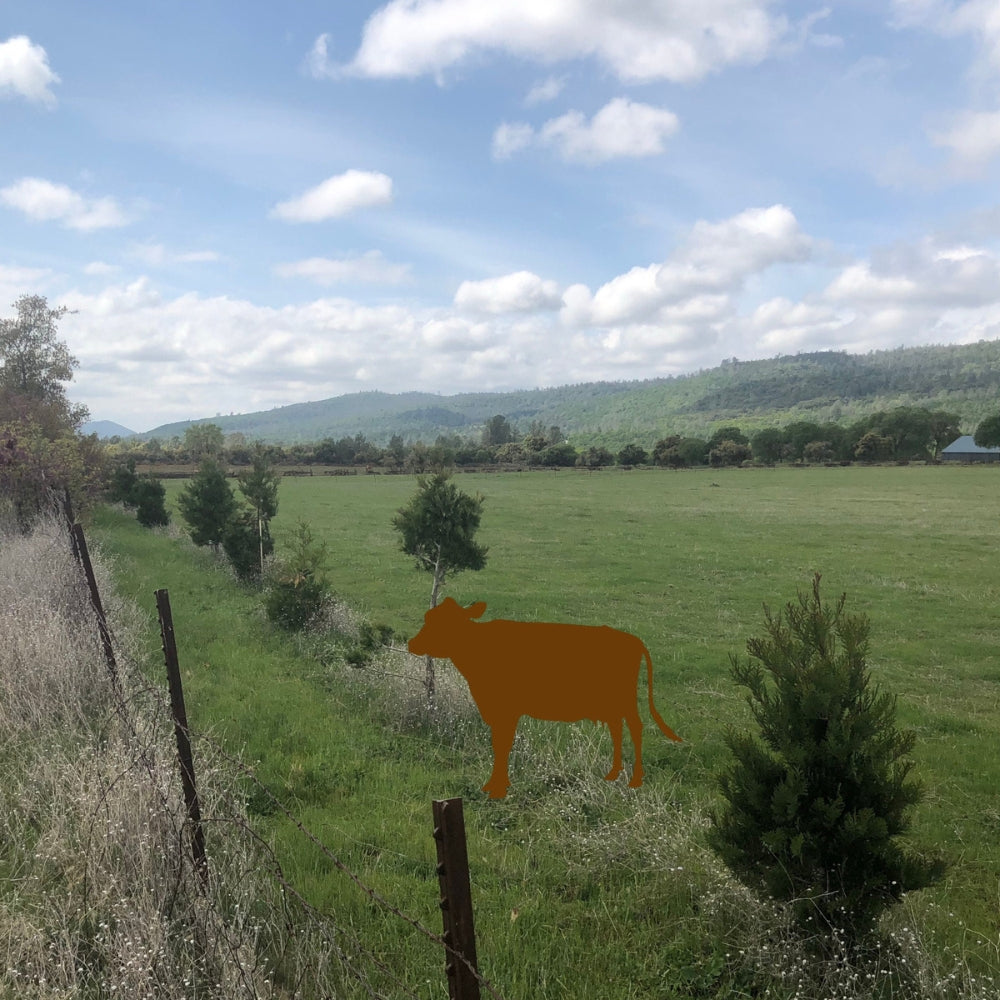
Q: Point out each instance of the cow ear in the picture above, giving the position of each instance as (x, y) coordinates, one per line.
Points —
(476, 610)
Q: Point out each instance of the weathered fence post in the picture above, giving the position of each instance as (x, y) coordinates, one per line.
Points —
(456, 899)
(82, 554)
(181, 734)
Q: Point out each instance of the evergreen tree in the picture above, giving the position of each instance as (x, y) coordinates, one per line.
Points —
(259, 486)
(815, 807)
(438, 528)
(207, 504)
(150, 501)
(299, 587)
(123, 483)
(247, 545)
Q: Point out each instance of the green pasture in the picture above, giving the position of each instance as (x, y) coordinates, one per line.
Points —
(685, 560)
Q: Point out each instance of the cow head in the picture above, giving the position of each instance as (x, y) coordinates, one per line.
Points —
(441, 625)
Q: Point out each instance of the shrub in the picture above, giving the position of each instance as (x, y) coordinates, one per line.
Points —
(815, 807)
(150, 501)
(123, 482)
(207, 504)
(371, 637)
(595, 458)
(247, 542)
(299, 588)
(632, 454)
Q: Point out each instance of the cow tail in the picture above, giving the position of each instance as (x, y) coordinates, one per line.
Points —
(667, 731)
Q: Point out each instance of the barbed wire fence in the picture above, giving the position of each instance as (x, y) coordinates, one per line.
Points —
(239, 943)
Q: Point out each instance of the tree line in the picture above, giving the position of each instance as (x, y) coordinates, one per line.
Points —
(904, 433)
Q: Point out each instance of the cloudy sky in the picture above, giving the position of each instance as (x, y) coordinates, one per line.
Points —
(252, 204)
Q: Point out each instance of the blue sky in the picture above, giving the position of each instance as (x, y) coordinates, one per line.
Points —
(248, 205)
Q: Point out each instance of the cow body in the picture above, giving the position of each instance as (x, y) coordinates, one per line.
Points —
(562, 673)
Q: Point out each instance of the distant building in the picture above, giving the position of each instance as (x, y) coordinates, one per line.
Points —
(964, 449)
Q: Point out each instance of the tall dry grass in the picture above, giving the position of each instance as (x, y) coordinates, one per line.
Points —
(98, 897)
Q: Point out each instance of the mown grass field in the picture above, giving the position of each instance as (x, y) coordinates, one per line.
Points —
(685, 560)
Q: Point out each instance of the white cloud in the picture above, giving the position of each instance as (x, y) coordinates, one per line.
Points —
(804, 35)
(24, 70)
(680, 41)
(157, 255)
(545, 90)
(201, 355)
(922, 276)
(979, 18)
(100, 269)
(856, 283)
(974, 136)
(44, 201)
(511, 137)
(317, 62)
(521, 291)
(23, 275)
(782, 326)
(370, 267)
(198, 257)
(925, 292)
(337, 196)
(622, 128)
(716, 259)
(16, 281)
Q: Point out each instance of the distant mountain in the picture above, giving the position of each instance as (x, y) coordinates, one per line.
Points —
(820, 386)
(106, 429)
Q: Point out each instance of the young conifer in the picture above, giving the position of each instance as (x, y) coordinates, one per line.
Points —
(815, 806)
(207, 504)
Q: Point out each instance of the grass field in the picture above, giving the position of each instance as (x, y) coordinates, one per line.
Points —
(685, 560)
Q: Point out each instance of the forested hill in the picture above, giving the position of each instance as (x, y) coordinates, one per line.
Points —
(821, 386)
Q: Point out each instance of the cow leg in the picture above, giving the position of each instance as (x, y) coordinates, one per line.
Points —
(503, 740)
(635, 728)
(615, 725)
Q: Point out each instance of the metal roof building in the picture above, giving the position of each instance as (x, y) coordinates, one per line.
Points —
(965, 449)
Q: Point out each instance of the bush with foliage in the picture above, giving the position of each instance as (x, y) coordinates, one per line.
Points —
(207, 504)
(372, 636)
(815, 806)
(595, 458)
(247, 543)
(122, 482)
(729, 452)
(150, 501)
(299, 588)
(632, 454)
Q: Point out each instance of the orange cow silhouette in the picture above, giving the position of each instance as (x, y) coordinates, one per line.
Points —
(563, 673)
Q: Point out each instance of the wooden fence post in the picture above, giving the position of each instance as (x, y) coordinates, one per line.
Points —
(181, 734)
(82, 554)
(456, 899)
